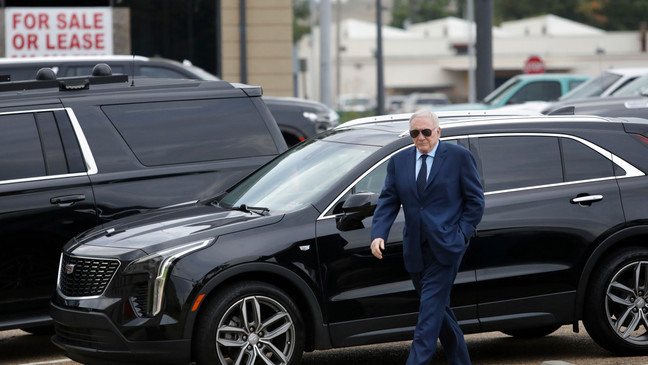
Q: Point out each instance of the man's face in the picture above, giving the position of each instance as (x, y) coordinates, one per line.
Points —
(423, 143)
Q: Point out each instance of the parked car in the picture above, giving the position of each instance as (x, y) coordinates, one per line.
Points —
(630, 100)
(280, 264)
(299, 119)
(606, 83)
(77, 152)
(355, 103)
(394, 103)
(65, 66)
(432, 101)
(524, 88)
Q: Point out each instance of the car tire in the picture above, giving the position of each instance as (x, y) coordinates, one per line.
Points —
(535, 332)
(616, 308)
(249, 322)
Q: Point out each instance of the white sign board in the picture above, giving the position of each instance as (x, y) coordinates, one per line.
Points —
(64, 31)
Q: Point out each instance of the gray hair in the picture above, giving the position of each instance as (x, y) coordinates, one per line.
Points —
(425, 113)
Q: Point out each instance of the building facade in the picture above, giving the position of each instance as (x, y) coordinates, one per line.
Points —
(433, 56)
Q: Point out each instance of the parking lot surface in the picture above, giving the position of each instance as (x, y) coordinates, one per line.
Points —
(562, 347)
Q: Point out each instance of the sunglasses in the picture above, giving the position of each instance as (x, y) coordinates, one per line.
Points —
(415, 132)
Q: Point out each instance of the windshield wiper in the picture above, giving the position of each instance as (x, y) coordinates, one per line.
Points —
(247, 209)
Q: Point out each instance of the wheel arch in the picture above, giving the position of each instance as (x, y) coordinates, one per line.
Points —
(627, 237)
(292, 135)
(290, 282)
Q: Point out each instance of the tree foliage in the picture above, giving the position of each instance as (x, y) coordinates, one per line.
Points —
(301, 19)
(604, 14)
(416, 11)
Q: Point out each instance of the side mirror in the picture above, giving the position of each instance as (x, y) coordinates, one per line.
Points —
(356, 208)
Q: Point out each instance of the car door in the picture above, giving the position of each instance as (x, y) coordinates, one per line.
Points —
(371, 300)
(45, 199)
(548, 198)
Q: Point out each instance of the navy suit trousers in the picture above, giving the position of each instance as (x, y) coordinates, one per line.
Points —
(436, 319)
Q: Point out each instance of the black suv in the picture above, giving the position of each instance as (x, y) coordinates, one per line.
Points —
(280, 264)
(77, 152)
(297, 118)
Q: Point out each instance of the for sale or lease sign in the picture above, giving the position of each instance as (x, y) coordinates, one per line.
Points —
(66, 31)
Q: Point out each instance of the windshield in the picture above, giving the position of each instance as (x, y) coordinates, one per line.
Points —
(592, 87)
(299, 177)
(496, 95)
(635, 87)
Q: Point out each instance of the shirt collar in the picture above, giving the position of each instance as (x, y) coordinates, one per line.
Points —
(431, 153)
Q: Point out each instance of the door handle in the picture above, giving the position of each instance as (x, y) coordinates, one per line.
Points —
(67, 200)
(586, 199)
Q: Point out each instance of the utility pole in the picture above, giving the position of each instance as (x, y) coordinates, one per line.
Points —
(470, 17)
(485, 74)
(325, 52)
(380, 95)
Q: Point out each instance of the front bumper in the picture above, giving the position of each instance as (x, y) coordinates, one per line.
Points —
(91, 338)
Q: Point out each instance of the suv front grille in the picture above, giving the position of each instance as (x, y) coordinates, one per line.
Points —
(85, 277)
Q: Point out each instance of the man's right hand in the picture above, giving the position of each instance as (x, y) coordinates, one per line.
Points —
(377, 246)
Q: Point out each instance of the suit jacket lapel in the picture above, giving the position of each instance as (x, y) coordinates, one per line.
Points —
(439, 159)
(411, 169)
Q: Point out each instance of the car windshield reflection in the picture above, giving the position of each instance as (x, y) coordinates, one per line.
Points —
(299, 177)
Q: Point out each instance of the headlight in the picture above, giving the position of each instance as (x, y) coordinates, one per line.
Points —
(157, 267)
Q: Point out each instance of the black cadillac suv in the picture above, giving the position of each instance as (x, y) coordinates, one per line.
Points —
(280, 264)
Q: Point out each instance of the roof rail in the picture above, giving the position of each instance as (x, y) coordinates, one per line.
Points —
(46, 78)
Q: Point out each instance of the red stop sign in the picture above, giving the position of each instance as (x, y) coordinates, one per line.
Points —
(534, 65)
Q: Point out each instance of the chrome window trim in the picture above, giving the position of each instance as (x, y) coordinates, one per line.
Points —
(58, 277)
(630, 170)
(88, 158)
(83, 143)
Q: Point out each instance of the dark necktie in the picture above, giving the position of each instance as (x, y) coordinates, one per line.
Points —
(422, 175)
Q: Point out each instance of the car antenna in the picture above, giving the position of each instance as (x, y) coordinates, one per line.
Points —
(133, 71)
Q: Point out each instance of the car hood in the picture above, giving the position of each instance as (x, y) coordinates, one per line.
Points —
(163, 228)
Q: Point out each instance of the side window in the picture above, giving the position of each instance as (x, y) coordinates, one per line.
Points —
(573, 83)
(583, 163)
(161, 72)
(21, 154)
(373, 182)
(32, 145)
(87, 70)
(519, 161)
(542, 90)
(164, 133)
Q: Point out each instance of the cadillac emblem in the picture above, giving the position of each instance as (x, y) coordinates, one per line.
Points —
(69, 268)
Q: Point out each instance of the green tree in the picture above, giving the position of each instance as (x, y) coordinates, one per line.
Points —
(416, 11)
(301, 19)
(604, 14)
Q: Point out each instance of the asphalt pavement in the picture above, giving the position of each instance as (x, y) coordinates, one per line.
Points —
(562, 347)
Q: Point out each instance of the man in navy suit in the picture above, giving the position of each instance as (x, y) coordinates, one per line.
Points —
(443, 201)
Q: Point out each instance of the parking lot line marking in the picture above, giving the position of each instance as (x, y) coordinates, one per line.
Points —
(47, 362)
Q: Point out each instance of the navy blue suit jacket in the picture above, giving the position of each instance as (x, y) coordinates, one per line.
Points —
(449, 209)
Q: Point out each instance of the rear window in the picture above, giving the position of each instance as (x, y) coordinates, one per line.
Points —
(164, 133)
